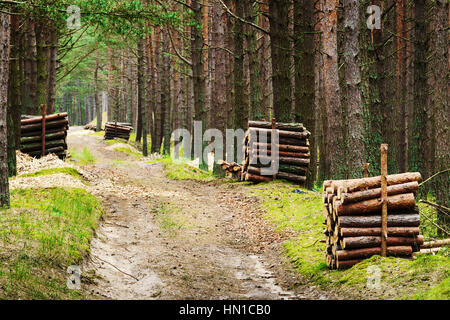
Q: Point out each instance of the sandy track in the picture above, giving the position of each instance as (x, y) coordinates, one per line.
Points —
(181, 239)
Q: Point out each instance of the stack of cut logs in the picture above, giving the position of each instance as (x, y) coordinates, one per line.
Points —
(31, 138)
(353, 218)
(293, 151)
(117, 130)
(232, 168)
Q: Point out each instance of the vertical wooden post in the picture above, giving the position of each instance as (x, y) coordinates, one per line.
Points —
(366, 170)
(44, 113)
(384, 198)
(274, 127)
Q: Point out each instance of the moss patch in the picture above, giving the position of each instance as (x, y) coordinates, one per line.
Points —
(69, 171)
(44, 232)
(300, 216)
(83, 157)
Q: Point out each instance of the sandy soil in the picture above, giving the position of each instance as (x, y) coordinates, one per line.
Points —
(165, 239)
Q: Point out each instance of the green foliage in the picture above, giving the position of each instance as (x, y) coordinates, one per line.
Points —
(69, 171)
(44, 232)
(179, 170)
(83, 157)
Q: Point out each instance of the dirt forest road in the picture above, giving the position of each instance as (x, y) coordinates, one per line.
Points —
(166, 239)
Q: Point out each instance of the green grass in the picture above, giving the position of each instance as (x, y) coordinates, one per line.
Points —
(300, 216)
(44, 232)
(180, 170)
(169, 218)
(83, 157)
(69, 171)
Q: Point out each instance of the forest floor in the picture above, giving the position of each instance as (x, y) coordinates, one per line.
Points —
(157, 228)
(167, 239)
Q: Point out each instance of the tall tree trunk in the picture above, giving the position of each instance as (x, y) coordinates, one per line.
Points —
(220, 77)
(150, 84)
(256, 107)
(4, 75)
(352, 77)
(440, 70)
(42, 74)
(281, 71)
(14, 97)
(166, 97)
(142, 106)
(141, 89)
(198, 74)
(52, 65)
(97, 105)
(156, 147)
(335, 145)
(305, 77)
(32, 107)
(240, 98)
(420, 146)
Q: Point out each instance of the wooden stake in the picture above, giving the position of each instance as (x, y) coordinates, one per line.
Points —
(366, 170)
(44, 113)
(274, 126)
(384, 198)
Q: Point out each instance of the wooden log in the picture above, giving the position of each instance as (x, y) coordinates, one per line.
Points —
(121, 124)
(279, 175)
(255, 138)
(375, 182)
(364, 253)
(409, 187)
(345, 264)
(281, 147)
(400, 201)
(282, 160)
(399, 220)
(392, 231)
(48, 137)
(257, 178)
(278, 125)
(117, 128)
(428, 251)
(282, 133)
(49, 125)
(281, 153)
(436, 244)
(38, 146)
(299, 170)
(52, 117)
(57, 151)
(373, 241)
(38, 133)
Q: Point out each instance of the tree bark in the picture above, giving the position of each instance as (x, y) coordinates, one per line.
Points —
(398, 220)
(4, 75)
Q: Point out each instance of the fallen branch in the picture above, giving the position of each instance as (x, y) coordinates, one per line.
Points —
(116, 268)
(438, 206)
(434, 223)
(434, 175)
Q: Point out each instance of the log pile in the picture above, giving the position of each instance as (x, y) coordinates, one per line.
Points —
(117, 130)
(34, 140)
(232, 168)
(352, 209)
(292, 151)
(433, 247)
